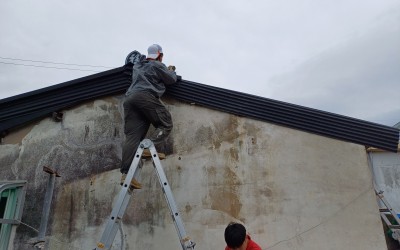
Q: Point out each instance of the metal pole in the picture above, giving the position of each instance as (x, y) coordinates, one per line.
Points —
(47, 202)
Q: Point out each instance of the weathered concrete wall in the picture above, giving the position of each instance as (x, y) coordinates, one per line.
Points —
(292, 190)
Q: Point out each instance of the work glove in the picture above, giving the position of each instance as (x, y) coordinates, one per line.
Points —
(171, 67)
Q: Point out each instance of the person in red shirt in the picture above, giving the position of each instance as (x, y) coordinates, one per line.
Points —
(236, 238)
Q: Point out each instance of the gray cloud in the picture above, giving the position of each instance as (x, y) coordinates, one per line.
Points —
(359, 77)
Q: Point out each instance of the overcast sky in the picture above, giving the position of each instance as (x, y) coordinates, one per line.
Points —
(340, 56)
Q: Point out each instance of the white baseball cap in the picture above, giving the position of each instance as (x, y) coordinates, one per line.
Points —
(154, 51)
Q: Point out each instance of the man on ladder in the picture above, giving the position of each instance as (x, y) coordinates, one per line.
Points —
(142, 106)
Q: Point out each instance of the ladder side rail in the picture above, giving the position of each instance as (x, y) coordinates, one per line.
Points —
(385, 219)
(120, 206)
(386, 203)
(112, 225)
(185, 241)
(389, 210)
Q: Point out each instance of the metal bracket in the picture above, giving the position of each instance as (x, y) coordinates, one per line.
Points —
(146, 143)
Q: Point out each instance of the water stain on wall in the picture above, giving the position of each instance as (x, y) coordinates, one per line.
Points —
(203, 136)
(234, 153)
(227, 129)
(223, 193)
(16, 136)
(226, 199)
(77, 205)
(188, 208)
(151, 208)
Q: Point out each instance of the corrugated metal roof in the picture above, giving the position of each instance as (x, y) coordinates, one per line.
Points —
(18, 110)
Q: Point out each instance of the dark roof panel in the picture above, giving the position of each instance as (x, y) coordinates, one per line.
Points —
(20, 109)
(17, 110)
(289, 115)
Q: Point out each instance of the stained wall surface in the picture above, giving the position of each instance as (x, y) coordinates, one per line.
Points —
(291, 189)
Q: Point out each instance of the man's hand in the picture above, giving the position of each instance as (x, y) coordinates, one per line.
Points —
(171, 67)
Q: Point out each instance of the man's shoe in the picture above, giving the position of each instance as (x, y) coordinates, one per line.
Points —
(147, 154)
(134, 183)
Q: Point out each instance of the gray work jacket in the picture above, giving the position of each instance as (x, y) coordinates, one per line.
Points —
(152, 76)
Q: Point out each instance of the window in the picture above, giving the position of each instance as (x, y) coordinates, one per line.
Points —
(12, 196)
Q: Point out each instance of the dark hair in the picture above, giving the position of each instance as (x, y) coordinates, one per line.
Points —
(235, 234)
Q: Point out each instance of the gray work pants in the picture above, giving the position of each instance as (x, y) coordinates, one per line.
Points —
(140, 110)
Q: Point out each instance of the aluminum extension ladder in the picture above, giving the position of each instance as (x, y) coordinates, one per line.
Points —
(126, 193)
(389, 216)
